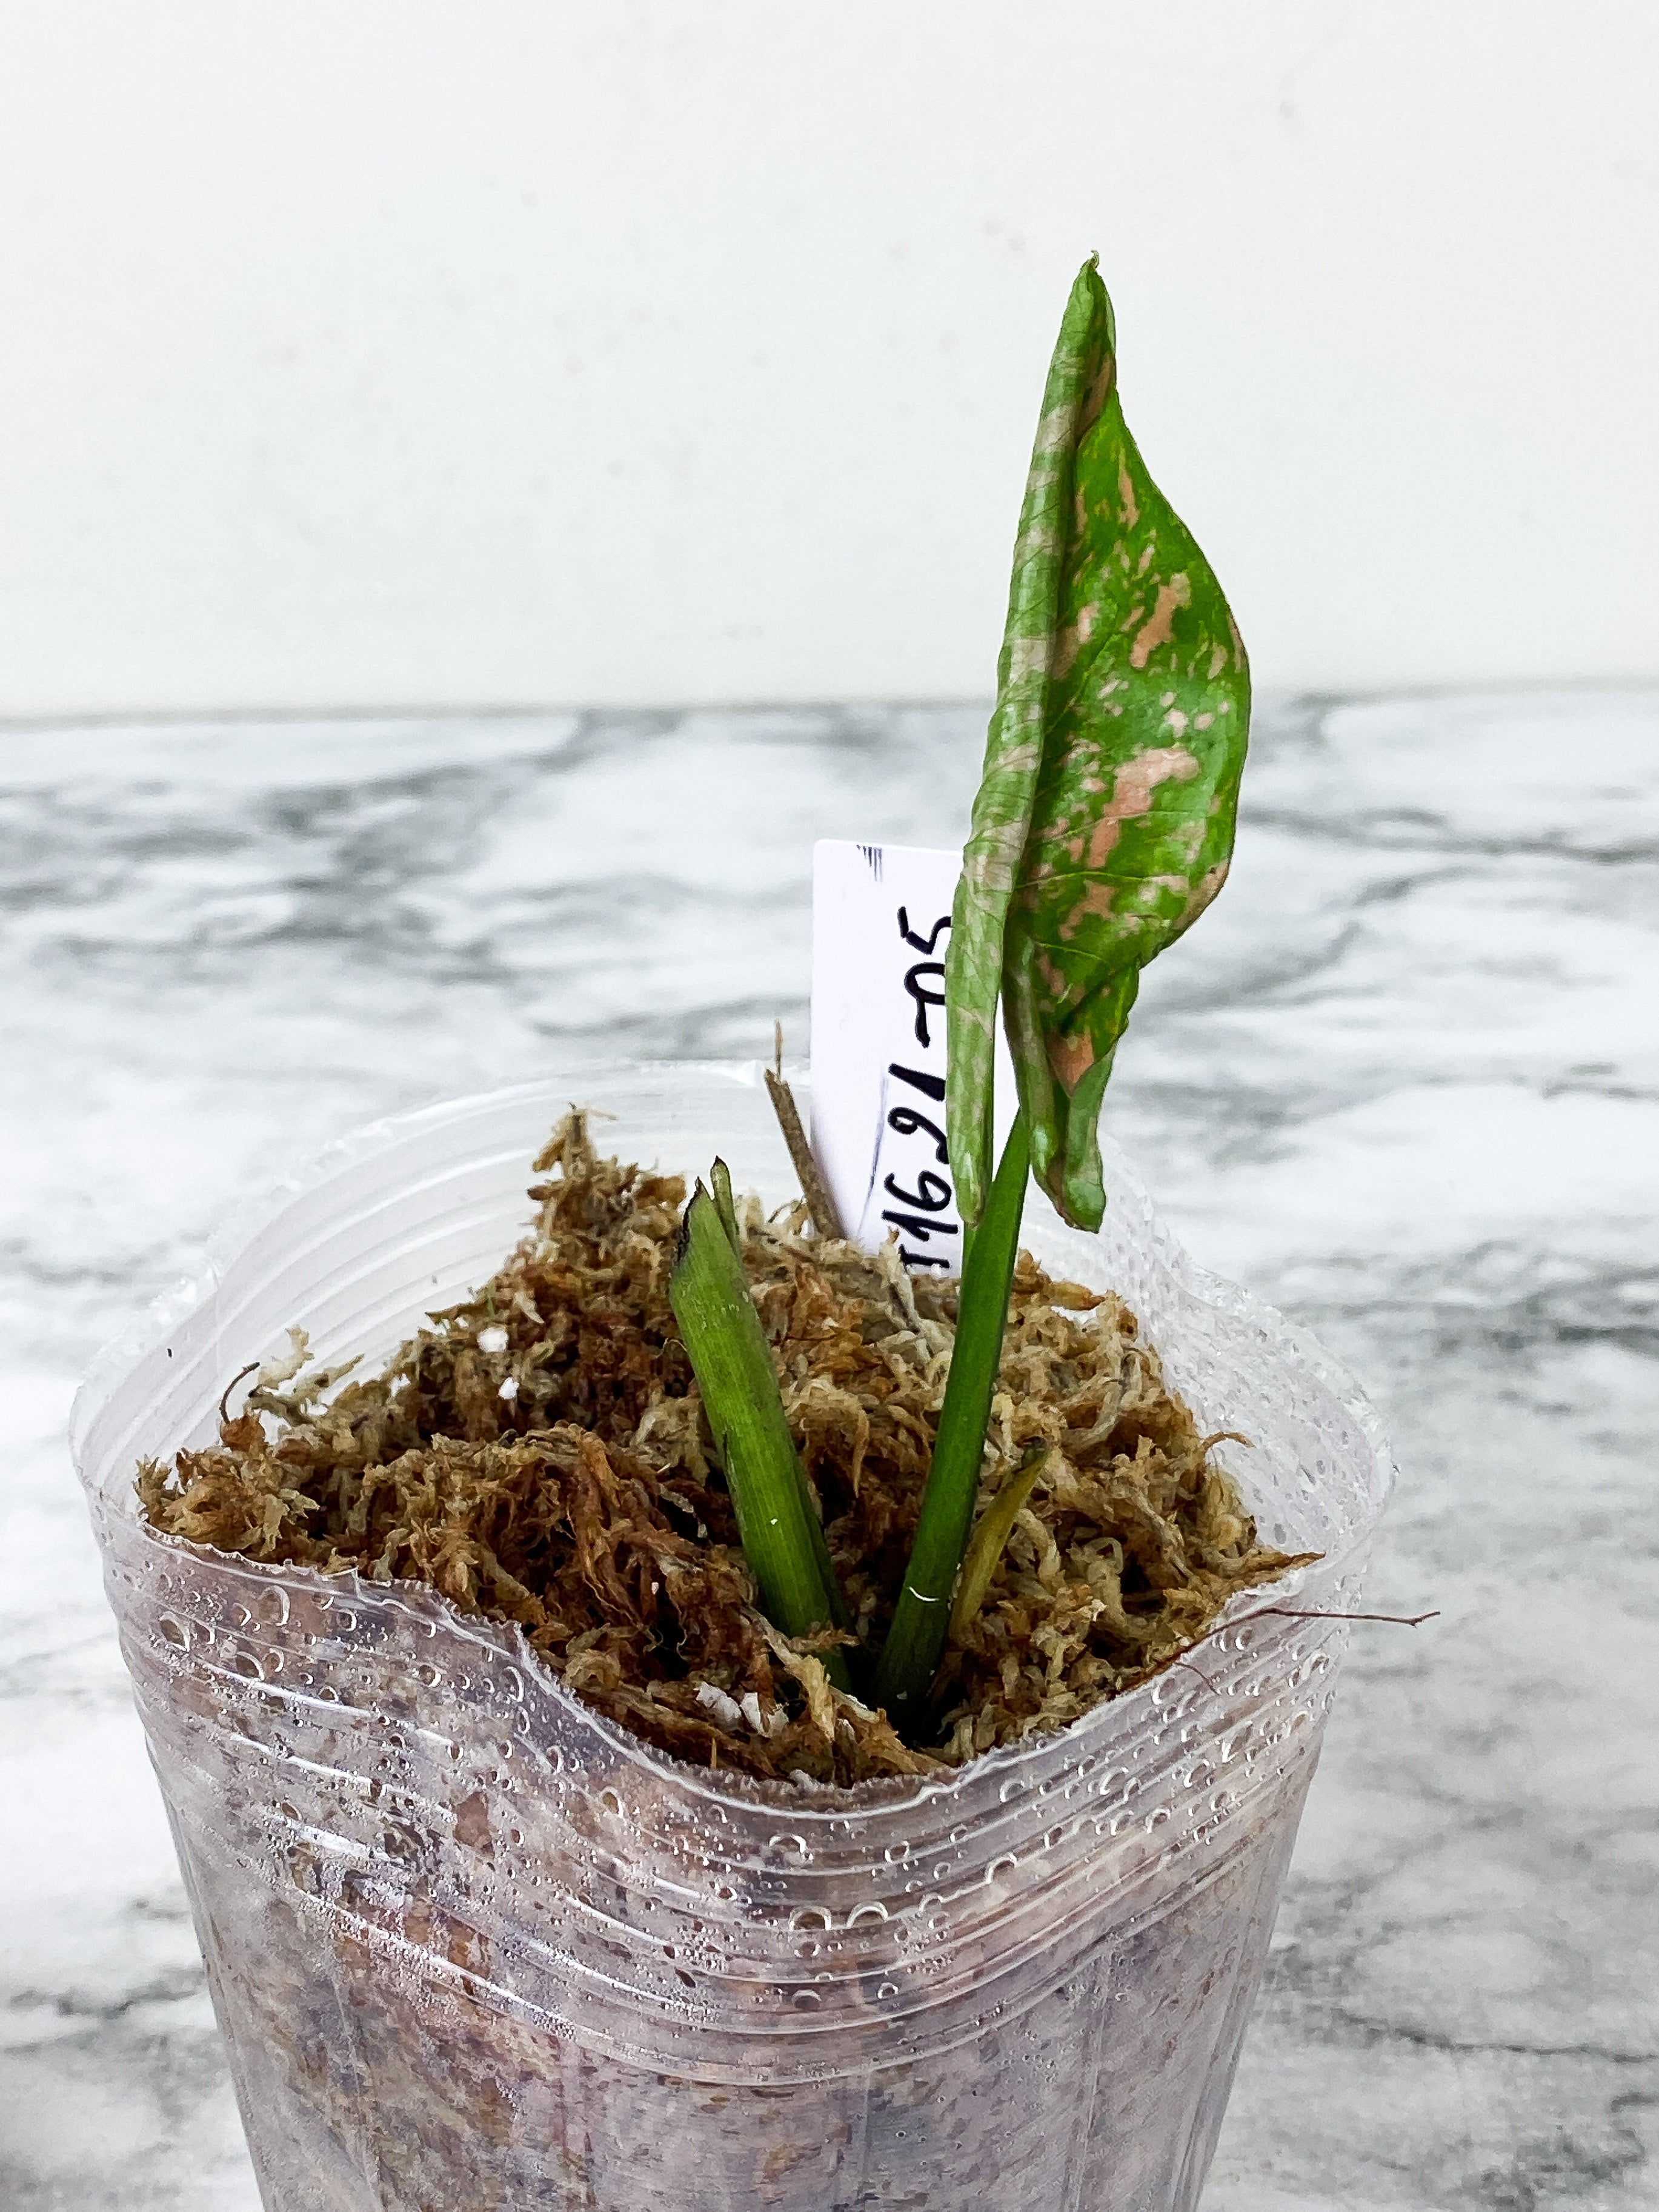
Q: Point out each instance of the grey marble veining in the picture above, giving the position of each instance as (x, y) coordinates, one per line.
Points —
(1404, 1080)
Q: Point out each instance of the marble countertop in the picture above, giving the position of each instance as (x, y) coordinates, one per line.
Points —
(1404, 1081)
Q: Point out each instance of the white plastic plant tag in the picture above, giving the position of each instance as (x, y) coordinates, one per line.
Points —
(881, 920)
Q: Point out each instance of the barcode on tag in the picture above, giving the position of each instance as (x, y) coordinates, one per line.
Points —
(881, 921)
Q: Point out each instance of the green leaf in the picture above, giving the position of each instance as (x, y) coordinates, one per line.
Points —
(782, 1537)
(1104, 821)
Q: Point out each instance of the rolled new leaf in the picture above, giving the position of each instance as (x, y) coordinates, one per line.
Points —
(782, 1534)
(991, 1533)
(1104, 821)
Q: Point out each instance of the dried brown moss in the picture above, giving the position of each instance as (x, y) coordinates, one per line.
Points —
(539, 1454)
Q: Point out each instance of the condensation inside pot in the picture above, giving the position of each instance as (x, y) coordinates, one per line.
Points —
(473, 1947)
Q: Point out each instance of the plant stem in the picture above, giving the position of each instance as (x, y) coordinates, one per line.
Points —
(910, 1656)
(782, 1537)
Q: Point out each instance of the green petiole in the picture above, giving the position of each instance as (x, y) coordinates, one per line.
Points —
(910, 1656)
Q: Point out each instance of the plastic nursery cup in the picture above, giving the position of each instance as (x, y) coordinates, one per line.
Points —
(475, 1949)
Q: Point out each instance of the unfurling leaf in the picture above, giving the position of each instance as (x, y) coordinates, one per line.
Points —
(1104, 821)
(991, 1533)
(781, 1535)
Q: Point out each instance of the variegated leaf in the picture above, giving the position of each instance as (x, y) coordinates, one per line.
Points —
(1104, 821)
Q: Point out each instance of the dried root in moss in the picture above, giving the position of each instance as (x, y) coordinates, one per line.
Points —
(539, 1453)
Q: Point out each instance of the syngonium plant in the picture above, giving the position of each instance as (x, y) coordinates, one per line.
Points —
(1102, 829)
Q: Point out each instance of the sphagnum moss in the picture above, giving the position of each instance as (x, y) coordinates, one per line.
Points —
(540, 1453)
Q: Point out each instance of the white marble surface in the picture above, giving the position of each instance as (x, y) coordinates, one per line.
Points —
(1404, 1079)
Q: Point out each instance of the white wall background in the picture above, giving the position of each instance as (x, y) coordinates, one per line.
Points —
(375, 352)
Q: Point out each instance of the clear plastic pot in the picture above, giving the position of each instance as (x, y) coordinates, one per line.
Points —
(475, 1949)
